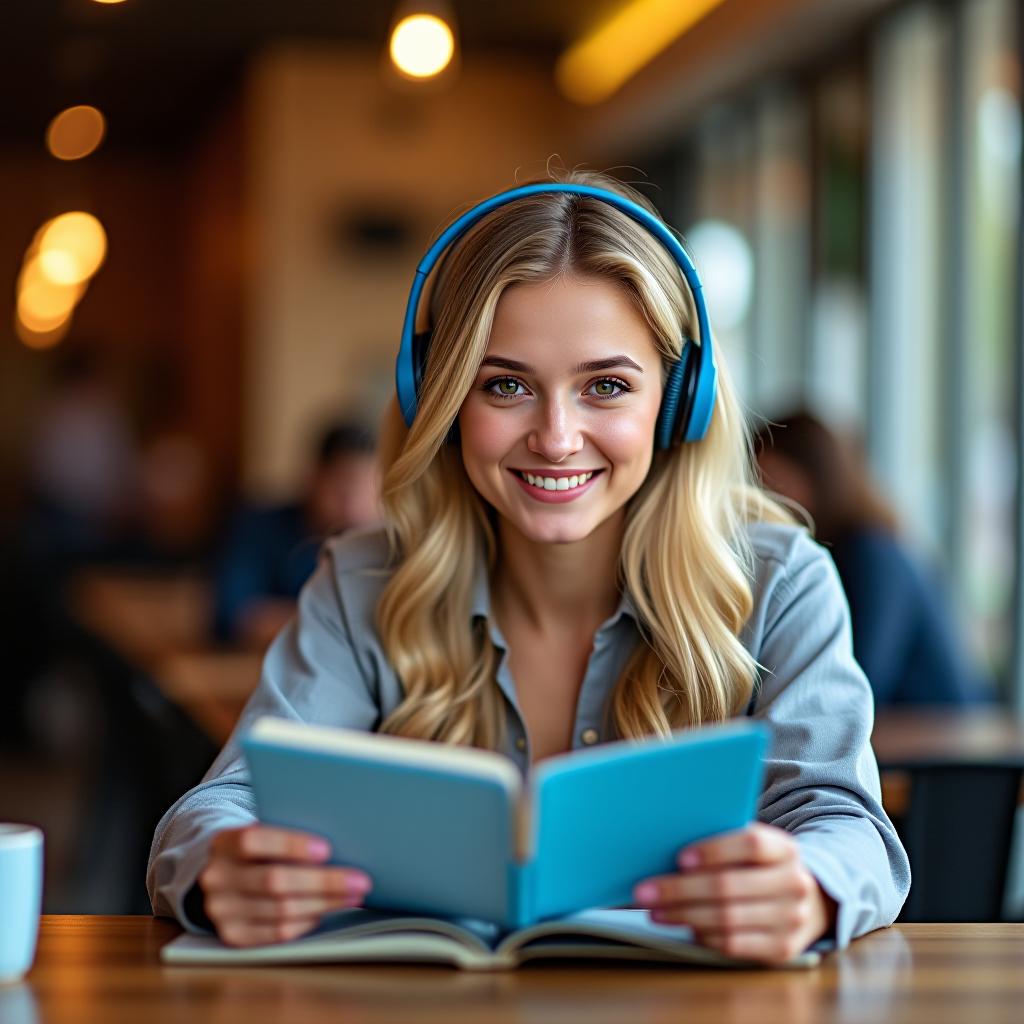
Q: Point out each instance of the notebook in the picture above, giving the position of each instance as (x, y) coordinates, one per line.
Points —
(472, 864)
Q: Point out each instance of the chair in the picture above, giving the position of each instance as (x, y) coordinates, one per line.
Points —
(957, 830)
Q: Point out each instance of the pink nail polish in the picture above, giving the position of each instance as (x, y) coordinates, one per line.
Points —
(319, 849)
(647, 893)
(689, 859)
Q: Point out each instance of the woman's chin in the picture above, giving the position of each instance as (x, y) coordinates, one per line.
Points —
(553, 532)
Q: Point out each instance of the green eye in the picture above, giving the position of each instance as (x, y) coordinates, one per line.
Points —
(609, 387)
(503, 387)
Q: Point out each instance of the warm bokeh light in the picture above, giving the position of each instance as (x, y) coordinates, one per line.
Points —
(72, 247)
(422, 45)
(40, 339)
(108, 1)
(592, 69)
(75, 132)
(42, 299)
(39, 309)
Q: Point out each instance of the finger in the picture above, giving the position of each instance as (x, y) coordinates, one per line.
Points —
(722, 885)
(769, 915)
(265, 842)
(253, 933)
(756, 844)
(224, 907)
(283, 880)
(760, 945)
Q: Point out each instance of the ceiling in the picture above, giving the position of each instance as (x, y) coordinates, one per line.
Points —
(155, 66)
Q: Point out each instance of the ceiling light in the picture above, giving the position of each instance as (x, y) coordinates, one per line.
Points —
(422, 45)
(595, 67)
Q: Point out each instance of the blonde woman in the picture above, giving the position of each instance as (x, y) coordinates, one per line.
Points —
(575, 551)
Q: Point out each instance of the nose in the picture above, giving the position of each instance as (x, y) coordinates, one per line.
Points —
(556, 435)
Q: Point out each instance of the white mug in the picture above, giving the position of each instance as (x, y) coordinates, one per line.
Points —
(21, 898)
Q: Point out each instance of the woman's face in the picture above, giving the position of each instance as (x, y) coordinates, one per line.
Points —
(569, 387)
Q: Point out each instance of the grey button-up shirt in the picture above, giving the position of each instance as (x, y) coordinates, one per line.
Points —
(821, 781)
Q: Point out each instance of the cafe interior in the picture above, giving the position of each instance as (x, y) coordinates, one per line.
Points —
(210, 218)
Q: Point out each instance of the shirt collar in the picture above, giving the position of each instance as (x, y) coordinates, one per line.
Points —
(481, 603)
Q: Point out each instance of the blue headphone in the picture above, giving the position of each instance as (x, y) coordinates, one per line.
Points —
(689, 397)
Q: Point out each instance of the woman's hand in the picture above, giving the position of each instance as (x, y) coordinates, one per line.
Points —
(264, 884)
(745, 893)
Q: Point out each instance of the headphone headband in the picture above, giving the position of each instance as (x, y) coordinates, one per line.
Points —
(697, 373)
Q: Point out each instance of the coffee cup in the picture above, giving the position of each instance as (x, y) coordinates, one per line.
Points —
(21, 897)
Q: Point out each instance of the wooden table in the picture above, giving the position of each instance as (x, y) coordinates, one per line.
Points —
(909, 737)
(160, 622)
(106, 969)
(976, 735)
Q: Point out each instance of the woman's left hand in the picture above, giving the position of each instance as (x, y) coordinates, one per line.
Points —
(744, 893)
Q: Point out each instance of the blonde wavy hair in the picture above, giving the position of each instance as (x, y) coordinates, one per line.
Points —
(685, 558)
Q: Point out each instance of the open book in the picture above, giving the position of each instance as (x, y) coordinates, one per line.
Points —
(470, 862)
(363, 935)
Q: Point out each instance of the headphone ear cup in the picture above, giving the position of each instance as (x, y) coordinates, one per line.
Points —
(420, 348)
(674, 400)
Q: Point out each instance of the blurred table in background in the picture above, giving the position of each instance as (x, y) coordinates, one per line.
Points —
(107, 969)
(953, 782)
(911, 737)
(160, 623)
(951, 734)
(143, 615)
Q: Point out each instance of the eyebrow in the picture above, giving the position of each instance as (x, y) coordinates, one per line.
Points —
(595, 365)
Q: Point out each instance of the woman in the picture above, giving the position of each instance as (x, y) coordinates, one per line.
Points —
(549, 579)
(905, 635)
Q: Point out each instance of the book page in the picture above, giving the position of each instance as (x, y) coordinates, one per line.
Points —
(623, 934)
(357, 935)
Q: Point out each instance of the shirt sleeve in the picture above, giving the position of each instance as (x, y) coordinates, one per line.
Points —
(311, 673)
(821, 780)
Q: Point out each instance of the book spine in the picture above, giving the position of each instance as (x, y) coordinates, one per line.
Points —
(520, 895)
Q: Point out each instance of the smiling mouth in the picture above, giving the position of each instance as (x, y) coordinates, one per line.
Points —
(560, 483)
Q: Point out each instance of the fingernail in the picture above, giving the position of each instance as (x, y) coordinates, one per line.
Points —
(360, 884)
(646, 893)
(319, 849)
(689, 859)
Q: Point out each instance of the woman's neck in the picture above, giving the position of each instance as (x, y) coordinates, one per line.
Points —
(558, 587)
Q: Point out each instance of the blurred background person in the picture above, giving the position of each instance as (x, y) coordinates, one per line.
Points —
(82, 464)
(271, 550)
(905, 635)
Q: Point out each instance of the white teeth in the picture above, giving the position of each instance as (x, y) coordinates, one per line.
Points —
(562, 483)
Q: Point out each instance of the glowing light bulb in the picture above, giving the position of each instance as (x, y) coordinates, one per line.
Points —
(422, 45)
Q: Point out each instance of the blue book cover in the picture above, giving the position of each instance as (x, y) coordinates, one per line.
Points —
(458, 832)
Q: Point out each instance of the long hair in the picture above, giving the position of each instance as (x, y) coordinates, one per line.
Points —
(843, 495)
(685, 558)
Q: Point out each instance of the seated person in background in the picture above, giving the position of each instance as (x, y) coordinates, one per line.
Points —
(271, 551)
(904, 633)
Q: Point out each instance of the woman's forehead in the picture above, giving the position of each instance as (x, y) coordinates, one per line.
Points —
(567, 321)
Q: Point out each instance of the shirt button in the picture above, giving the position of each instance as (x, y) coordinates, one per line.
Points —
(521, 743)
(589, 736)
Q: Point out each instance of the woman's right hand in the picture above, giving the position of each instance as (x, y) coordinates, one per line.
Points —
(264, 884)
